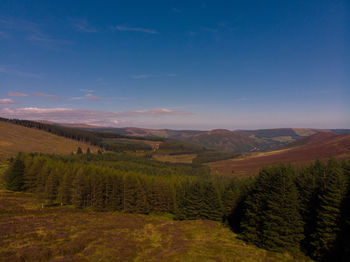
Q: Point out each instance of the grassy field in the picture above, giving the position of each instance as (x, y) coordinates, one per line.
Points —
(184, 158)
(29, 232)
(319, 146)
(15, 138)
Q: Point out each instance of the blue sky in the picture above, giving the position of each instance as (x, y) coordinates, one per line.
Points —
(177, 64)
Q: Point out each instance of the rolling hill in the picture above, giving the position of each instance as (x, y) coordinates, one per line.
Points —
(218, 139)
(32, 233)
(321, 146)
(15, 138)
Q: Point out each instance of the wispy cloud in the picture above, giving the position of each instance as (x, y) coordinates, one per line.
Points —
(142, 76)
(4, 35)
(17, 94)
(208, 29)
(47, 41)
(87, 96)
(7, 101)
(90, 96)
(134, 29)
(154, 112)
(44, 95)
(31, 32)
(86, 90)
(11, 71)
(69, 115)
(145, 76)
(18, 25)
(82, 25)
(176, 10)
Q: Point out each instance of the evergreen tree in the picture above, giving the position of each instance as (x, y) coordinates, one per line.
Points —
(65, 189)
(51, 185)
(14, 176)
(88, 151)
(272, 218)
(328, 213)
(79, 151)
(79, 189)
(212, 206)
(193, 204)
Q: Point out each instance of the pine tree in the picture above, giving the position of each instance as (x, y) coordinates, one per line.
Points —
(79, 151)
(212, 206)
(328, 213)
(65, 189)
(51, 186)
(79, 189)
(272, 218)
(14, 176)
(283, 226)
(193, 201)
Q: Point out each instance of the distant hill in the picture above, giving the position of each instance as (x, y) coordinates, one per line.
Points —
(222, 139)
(15, 138)
(322, 145)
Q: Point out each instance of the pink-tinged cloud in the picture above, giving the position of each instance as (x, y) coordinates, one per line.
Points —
(43, 95)
(90, 96)
(17, 94)
(160, 111)
(7, 101)
(69, 115)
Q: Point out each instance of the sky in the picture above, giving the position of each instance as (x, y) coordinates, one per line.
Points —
(177, 64)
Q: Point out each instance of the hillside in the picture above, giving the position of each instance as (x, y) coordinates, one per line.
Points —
(15, 138)
(321, 146)
(218, 139)
(31, 233)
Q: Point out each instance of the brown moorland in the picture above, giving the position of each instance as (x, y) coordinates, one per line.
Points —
(16, 138)
(31, 233)
(321, 146)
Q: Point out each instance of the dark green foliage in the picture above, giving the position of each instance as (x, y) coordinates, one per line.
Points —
(272, 219)
(328, 212)
(212, 156)
(281, 209)
(212, 205)
(14, 177)
(79, 151)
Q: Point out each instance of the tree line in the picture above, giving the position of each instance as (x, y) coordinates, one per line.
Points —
(283, 208)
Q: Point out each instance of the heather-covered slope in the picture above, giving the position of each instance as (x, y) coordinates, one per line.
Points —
(318, 146)
(31, 233)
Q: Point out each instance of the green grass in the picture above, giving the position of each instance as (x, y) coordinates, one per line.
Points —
(15, 138)
(185, 158)
(30, 233)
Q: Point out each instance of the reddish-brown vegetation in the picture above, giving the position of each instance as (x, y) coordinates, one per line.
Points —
(29, 232)
(318, 146)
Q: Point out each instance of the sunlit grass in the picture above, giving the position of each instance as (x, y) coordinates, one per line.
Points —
(30, 233)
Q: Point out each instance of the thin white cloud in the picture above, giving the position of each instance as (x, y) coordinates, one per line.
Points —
(142, 76)
(176, 10)
(145, 76)
(134, 29)
(90, 96)
(208, 29)
(82, 25)
(69, 115)
(17, 94)
(87, 90)
(7, 101)
(47, 41)
(33, 32)
(11, 71)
